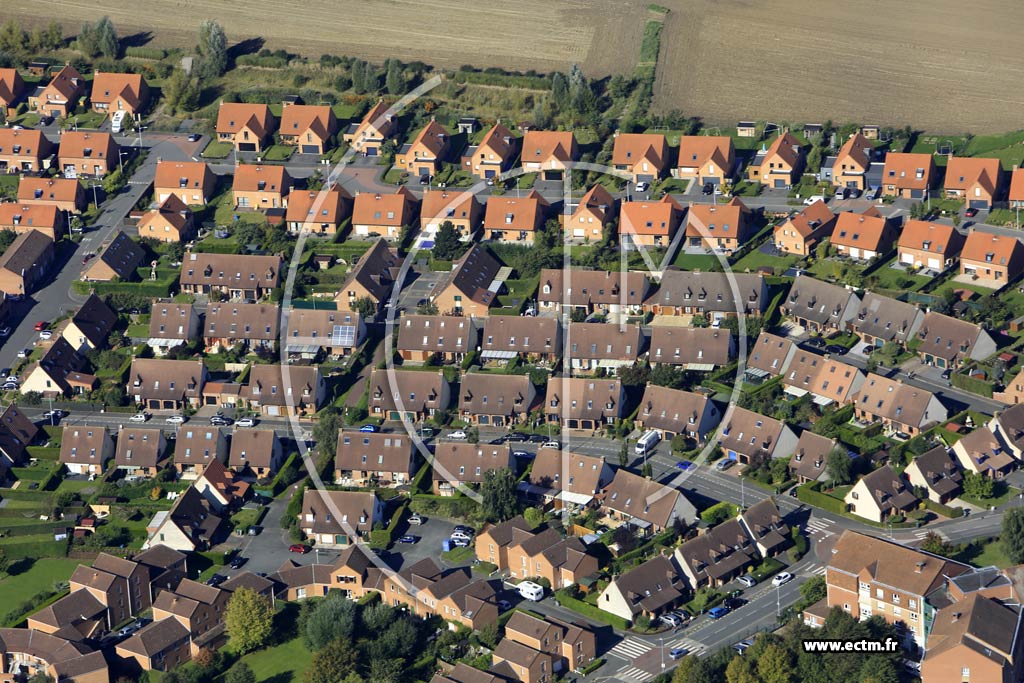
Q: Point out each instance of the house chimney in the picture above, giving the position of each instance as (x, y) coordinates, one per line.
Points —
(919, 567)
(956, 617)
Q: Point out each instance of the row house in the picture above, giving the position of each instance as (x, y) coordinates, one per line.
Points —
(196, 447)
(383, 215)
(701, 349)
(24, 151)
(427, 590)
(494, 155)
(592, 291)
(284, 390)
(374, 277)
(532, 339)
(67, 194)
(801, 233)
(828, 381)
(251, 325)
(673, 412)
(121, 586)
(593, 347)
(584, 403)
(85, 449)
(196, 606)
(978, 638)
(458, 465)
(191, 181)
(58, 658)
(881, 319)
(809, 460)
(707, 159)
(235, 275)
(934, 246)
(899, 407)
(248, 127)
(339, 518)
(318, 212)
(514, 220)
(571, 645)
(562, 562)
(421, 337)
(161, 384)
(770, 356)
(646, 505)
(396, 394)
(820, 307)
(141, 453)
(708, 294)
(256, 452)
(747, 435)
(948, 342)
(496, 400)
(171, 324)
(311, 331)
(566, 479)
(374, 459)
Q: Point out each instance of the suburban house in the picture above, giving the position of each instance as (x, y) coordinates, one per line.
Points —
(46, 218)
(248, 127)
(764, 525)
(24, 151)
(820, 307)
(308, 127)
(141, 452)
(311, 331)
(571, 645)
(593, 347)
(119, 261)
(85, 449)
(976, 180)
(170, 221)
(645, 504)
(711, 295)
(644, 156)
(649, 589)
(120, 585)
(546, 555)
(369, 135)
(531, 338)
(514, 219)
(374, 459)
(372, 277)
(87, 154)
(472, 285)
(251, 325)
(803, 231)
(494, 155)
(808, 462)
(881, 319)
(461, 209)
(547, 152)
(908, 175)
(948, 342)
(260, 187)
(981, 452)
(90, 326)
(1013, 391)
(852, 163)
(862, 235)
(67, 194)
(191, 524)
(159, 646)
(196, 447)
(975, 639)
(113, 92)
(220, 487)
(780, 165)
(339, 518)
(718, 556)
(274, 391)
(869, 576)
(879, 495)
(596, 209)
(566, 479)
(991, 260)
(746, 435)
(26, 263)
(938, 473)
(16, 433)
(718, 227)
(693, 348)
(318, 212)
(673, 412)
(420, 337)
(493, 541)
(707, 159)
(162, 384)
(12, 87)
(423, 156)
(58, 372)
(928, 245)
(60, 96)
(236, 275)
(256, 451)
(457, 465)
(171, 324)
(375, 215)
(412, 394)
(191, 181)
(584, 402)
(900, 407)
(649, 223)
(496, 400)
(592, 291)
(197, 606)
(450, 594)
(1016, 193)
(829, 381)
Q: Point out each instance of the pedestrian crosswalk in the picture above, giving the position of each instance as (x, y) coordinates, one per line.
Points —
(818, 569)
(630, 649)
(633, 673)
(693, 648)
(818, 527)
(922, 534)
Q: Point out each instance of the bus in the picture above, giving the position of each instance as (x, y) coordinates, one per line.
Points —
(648, 441)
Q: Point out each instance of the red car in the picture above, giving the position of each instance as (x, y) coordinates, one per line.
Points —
(298, 548)
(40, 326)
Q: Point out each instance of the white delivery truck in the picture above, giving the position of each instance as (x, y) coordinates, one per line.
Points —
(647, 442)
(531, 591)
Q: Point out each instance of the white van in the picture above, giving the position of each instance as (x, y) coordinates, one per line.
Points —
(115, 121)
(531, 591)
(647, 442)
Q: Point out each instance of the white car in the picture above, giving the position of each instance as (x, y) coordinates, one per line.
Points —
(458, 435)
(748, 581)
(138, 417)
(176, 420)
(642, 186)
(46, 334)
(246, 422)
(781, 578)
(814, 198)
(24, 353)
(459, 536)
(551, 444)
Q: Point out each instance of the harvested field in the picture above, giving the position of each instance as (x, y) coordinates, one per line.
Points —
(940, 65)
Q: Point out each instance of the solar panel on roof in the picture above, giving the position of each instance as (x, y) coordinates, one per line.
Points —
(343, 335)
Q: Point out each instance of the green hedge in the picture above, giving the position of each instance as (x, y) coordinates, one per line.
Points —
(972, 384)
(457, 507)
(812, 495)
(381, 538)
(590, 612)
(216, 557)
(592, 667)
(769, 567)
(418, 480)
(944, 510)
(155, 53)
(147, 289)
(55, 477)
(279, 483)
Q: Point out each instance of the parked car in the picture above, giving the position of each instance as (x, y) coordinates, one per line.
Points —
(9, 386)
(298, 548)
(536, 438)
(734, 603)
(516, 437)
(717, 612)
(372, 429)
(129, 629)
(670, 620)
(221, 421)
(686, 465)
(255, 530)
(139, 417)
(970, 213)
(522, 454)
(462, 528)
(216, 580)
(742, 646)
(53, 414)
(460, 542)
(723, 465)
(551, 444)
(45, 335)
(748, 580)
(459, 536)
(782, 578)
(835, 349)
(24, 353)
(504, 605)
(176, 420)
(237, 561)
(417, 520)
(678, 652)
(842, 193)
(642, 186)
(39, 326)
(458, 435)
(193, 137)
(682, 614)
(408, 538)
(814, 198)
(708, 188)
(246, 422)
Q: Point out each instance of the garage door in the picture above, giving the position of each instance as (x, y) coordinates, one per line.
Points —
(978, 204)
(310, 149)
(273, 411)
(645, 179)
(552, 175)
(780, 184)
(935, 263)
(712, 181)
(246, 146)
(907, 258)
(854, 253)
(489, 174)
(917, 194)
(371, 151)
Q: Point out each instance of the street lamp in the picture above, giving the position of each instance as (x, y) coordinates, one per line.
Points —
(121, 154)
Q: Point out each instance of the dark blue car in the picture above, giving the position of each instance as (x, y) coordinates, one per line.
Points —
(369, 428)
(685, 465)
(718, 612)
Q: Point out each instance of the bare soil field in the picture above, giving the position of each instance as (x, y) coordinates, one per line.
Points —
(527, 34)
(942, 65)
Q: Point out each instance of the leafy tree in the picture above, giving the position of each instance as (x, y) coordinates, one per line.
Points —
(394, 81)
(978, 485)
(365, 307)
(13, 39)
(813, 590)
(249, 620)
(636, 375)
(377, 616)
(386, 670)
(447, 246)
(7, 238)
(878, 669)
(671, 376)
(240, 673)
(534, 516)
(5, 563)
(559, 89)
(937, 545)
(839, 466)
(325, 433)
(499, 495)
(332, 662)
(1013, 534)
(741, 670)
(181, 91)
(213, 49)
(40, 677)
(624, 538)
(427, 308)
(775, 665)
(99, 39)
(332, 620)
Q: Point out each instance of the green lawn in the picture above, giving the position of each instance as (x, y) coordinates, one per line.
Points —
(9, 185)
(279, 152)
(986, 502)
(29, 118)
(697, 261)
(286, 662)
(518, 292)
(41, 577)
(651, 42)
(89, 119)
(672, 185)
(217, 150)
(756, 259)
(459, 555)
(992, 553)
(393, 176)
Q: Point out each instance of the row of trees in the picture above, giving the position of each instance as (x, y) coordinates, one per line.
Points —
(16, 42)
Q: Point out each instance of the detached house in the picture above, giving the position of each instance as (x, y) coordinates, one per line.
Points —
(367, 136)
(67, 194)
(649, 223)
(420, 337)
(12, 87)
(802, 232)
(852, 163)
(196, 448)
(718, 556)
(410, 394)
(423, 156)
(140, 452)
(58, 372)
(949, 342)
(90, 326)
(596, 346)
(374, 459)
(862, 235)
(61, 95)
(880, 495)
(277, 390)
(708, 159)
(808, 462)
(1016, 193)
(238, 276)
(191, 181)
(308, 127)
(166, 384)
(991, 260)
(496, 400)
(596, 209)
(764, 525)
(645, 504)
(532, 338)
(721, 228)
(548, 152)
(170, 221)
(260, 187)
(191, 524)
(981, 452)
(318, 213)
(494, 155)
(113, 92)
(780, 165)
(85, 449)
(257, 451)
(592, 291)
(120, 260)
(908, 175)
(693, 348)
(934, 246)
(820, 307)
(937, 471)
(673, 412)
(584, 403)
(747, 435)
(383, 215)
(514, 219)
(26, 263)
(87, 154)
(339, 518)
(472, 285)
(644, 156)
(247, 127)
(648, 590)
(461, 209)
(461, 464)
(978, 181)
(373, 277)
(24, 151)
(900, 407)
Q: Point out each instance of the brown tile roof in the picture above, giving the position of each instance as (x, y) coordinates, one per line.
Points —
(894, 400)
(947, 337)
(326, 206)
(515, 213)
(296, 119)
(74, 608)
(980, 624)
(233, 116)
(962, 173)
(511, 532)
(106, 87)
(491, 394)
(48, 189)
(139, 447)
(231, 270)
(522, 334)
(860, 230)
(95, 320)
(494, 142)
(15, 214)
(908, 170)
(293, 575)
(808, 460)
(356, 509)
(197, 444)
(154, 638)
(252, 447)
(1016, 185)
(464, 673)
(377, 120)
(123, 255)
(604, 341)
(68, 83)
(246, 579)
(160, 557)
(52, 649)
(510, 651)
(174, 175)
(438, 333)
(642, 498)
(764, 523)
(11, 85)
(888, 489)
(936, 238)
(652, 585)
(939, 469)
(631, 148)
(82, 444)
(468, 462)
(695, 150)
(886, 318)
(267, 385)
(856, 151)
(747, 432)
(769, 353)
(395, 209)
(727, 221)
(836, 380)
(307, 326)
(88, 145)
(984, 451)
(380, 452)
(672, 410)
(885, 562)
(983, 247)
(690, 345)
(472, 276)
(376, 270)
(25, 251)
(649, 217)
(169, 320)
(712, 291)
(420, 391)
(161, 379)
(257, 178)
(587, 398)
(579, 287)
(719, 553)
(540, 146)
(572, 472)
(810, 219)
(16, 432)
(803, 370)
(257, 322)
(818, 301)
